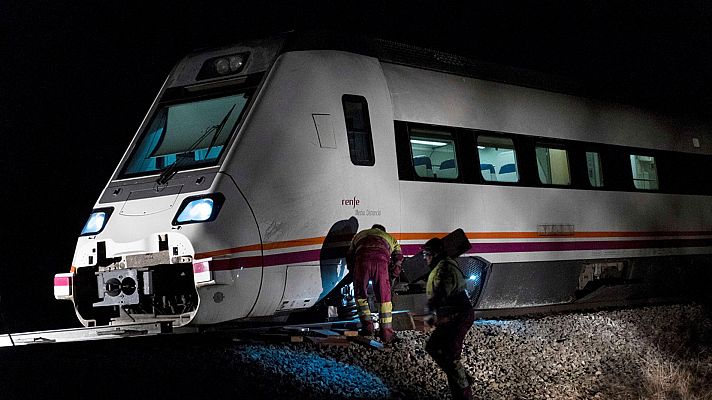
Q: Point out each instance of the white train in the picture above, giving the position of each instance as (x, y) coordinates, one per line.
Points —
(257, 163)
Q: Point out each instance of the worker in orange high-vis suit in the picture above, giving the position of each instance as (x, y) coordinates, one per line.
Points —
(375, 256)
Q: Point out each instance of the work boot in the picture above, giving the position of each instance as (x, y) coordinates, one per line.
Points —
(460, 393)
(367, 328)
(460, 382)
(467, 393)
(387, 335)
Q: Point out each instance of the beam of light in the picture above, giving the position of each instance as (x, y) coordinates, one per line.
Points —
(475, 278)
(301, 366)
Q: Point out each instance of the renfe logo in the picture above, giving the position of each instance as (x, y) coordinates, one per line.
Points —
(351, 202)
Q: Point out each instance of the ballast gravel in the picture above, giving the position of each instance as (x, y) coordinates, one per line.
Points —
(619, 354)
(600, 355)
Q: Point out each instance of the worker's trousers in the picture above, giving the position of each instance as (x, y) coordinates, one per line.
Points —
(445, 347)
(373, 268)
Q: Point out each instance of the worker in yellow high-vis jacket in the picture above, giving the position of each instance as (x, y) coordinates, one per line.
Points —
(451, 314)
(375, 256)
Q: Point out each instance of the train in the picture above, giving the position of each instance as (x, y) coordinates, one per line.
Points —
(258, 162)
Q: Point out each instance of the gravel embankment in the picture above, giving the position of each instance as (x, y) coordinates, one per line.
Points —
(659, 352)
(608, 355)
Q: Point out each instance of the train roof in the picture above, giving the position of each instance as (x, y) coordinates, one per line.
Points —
(432, 59)
(394, 52)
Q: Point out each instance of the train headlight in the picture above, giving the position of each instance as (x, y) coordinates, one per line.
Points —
(199, 209)
(222, 66)
(97, 221)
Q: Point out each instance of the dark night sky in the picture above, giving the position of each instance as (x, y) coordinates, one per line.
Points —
(76, 80)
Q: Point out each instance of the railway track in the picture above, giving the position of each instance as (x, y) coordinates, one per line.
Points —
(336, 332)
(327, 333)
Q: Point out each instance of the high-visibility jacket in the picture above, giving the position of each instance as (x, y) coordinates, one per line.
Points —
(446, 289)
(368, 240)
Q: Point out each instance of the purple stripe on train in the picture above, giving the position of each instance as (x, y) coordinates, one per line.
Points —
(501, 247)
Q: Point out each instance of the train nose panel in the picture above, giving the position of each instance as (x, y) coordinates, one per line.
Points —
(151, 201)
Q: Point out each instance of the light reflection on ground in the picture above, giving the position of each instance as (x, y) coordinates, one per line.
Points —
(315, 372)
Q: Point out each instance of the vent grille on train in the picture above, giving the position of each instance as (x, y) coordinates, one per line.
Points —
(421, 57)
(474, 269)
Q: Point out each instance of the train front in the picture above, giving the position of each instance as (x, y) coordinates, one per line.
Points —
(151, 247)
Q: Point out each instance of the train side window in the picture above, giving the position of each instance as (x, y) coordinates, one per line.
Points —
(498, 159)
(433, 153)
(553, 165)
(593, 163)
(645, 173)
(358, 130)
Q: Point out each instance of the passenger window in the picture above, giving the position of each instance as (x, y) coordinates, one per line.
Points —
(593, 162)
(358, 130)
(553, 165)
(645, 174)
(433, 154)
(498, 161)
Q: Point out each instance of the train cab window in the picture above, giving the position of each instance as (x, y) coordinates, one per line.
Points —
(645, 173)
(553, 165)
(498, 161)
(433, 154)
(593, 163)
(358, 130)
(187, 135)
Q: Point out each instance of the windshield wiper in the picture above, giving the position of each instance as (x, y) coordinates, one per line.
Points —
(218, 130)
(169, 172)
(181, 158)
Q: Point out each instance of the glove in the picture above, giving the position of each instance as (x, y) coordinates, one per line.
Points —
(394, 271)
(431, 320)
(395, 265)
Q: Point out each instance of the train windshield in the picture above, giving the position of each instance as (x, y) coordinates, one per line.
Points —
(186, 135)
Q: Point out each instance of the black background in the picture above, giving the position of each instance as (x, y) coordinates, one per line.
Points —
(77, 78)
